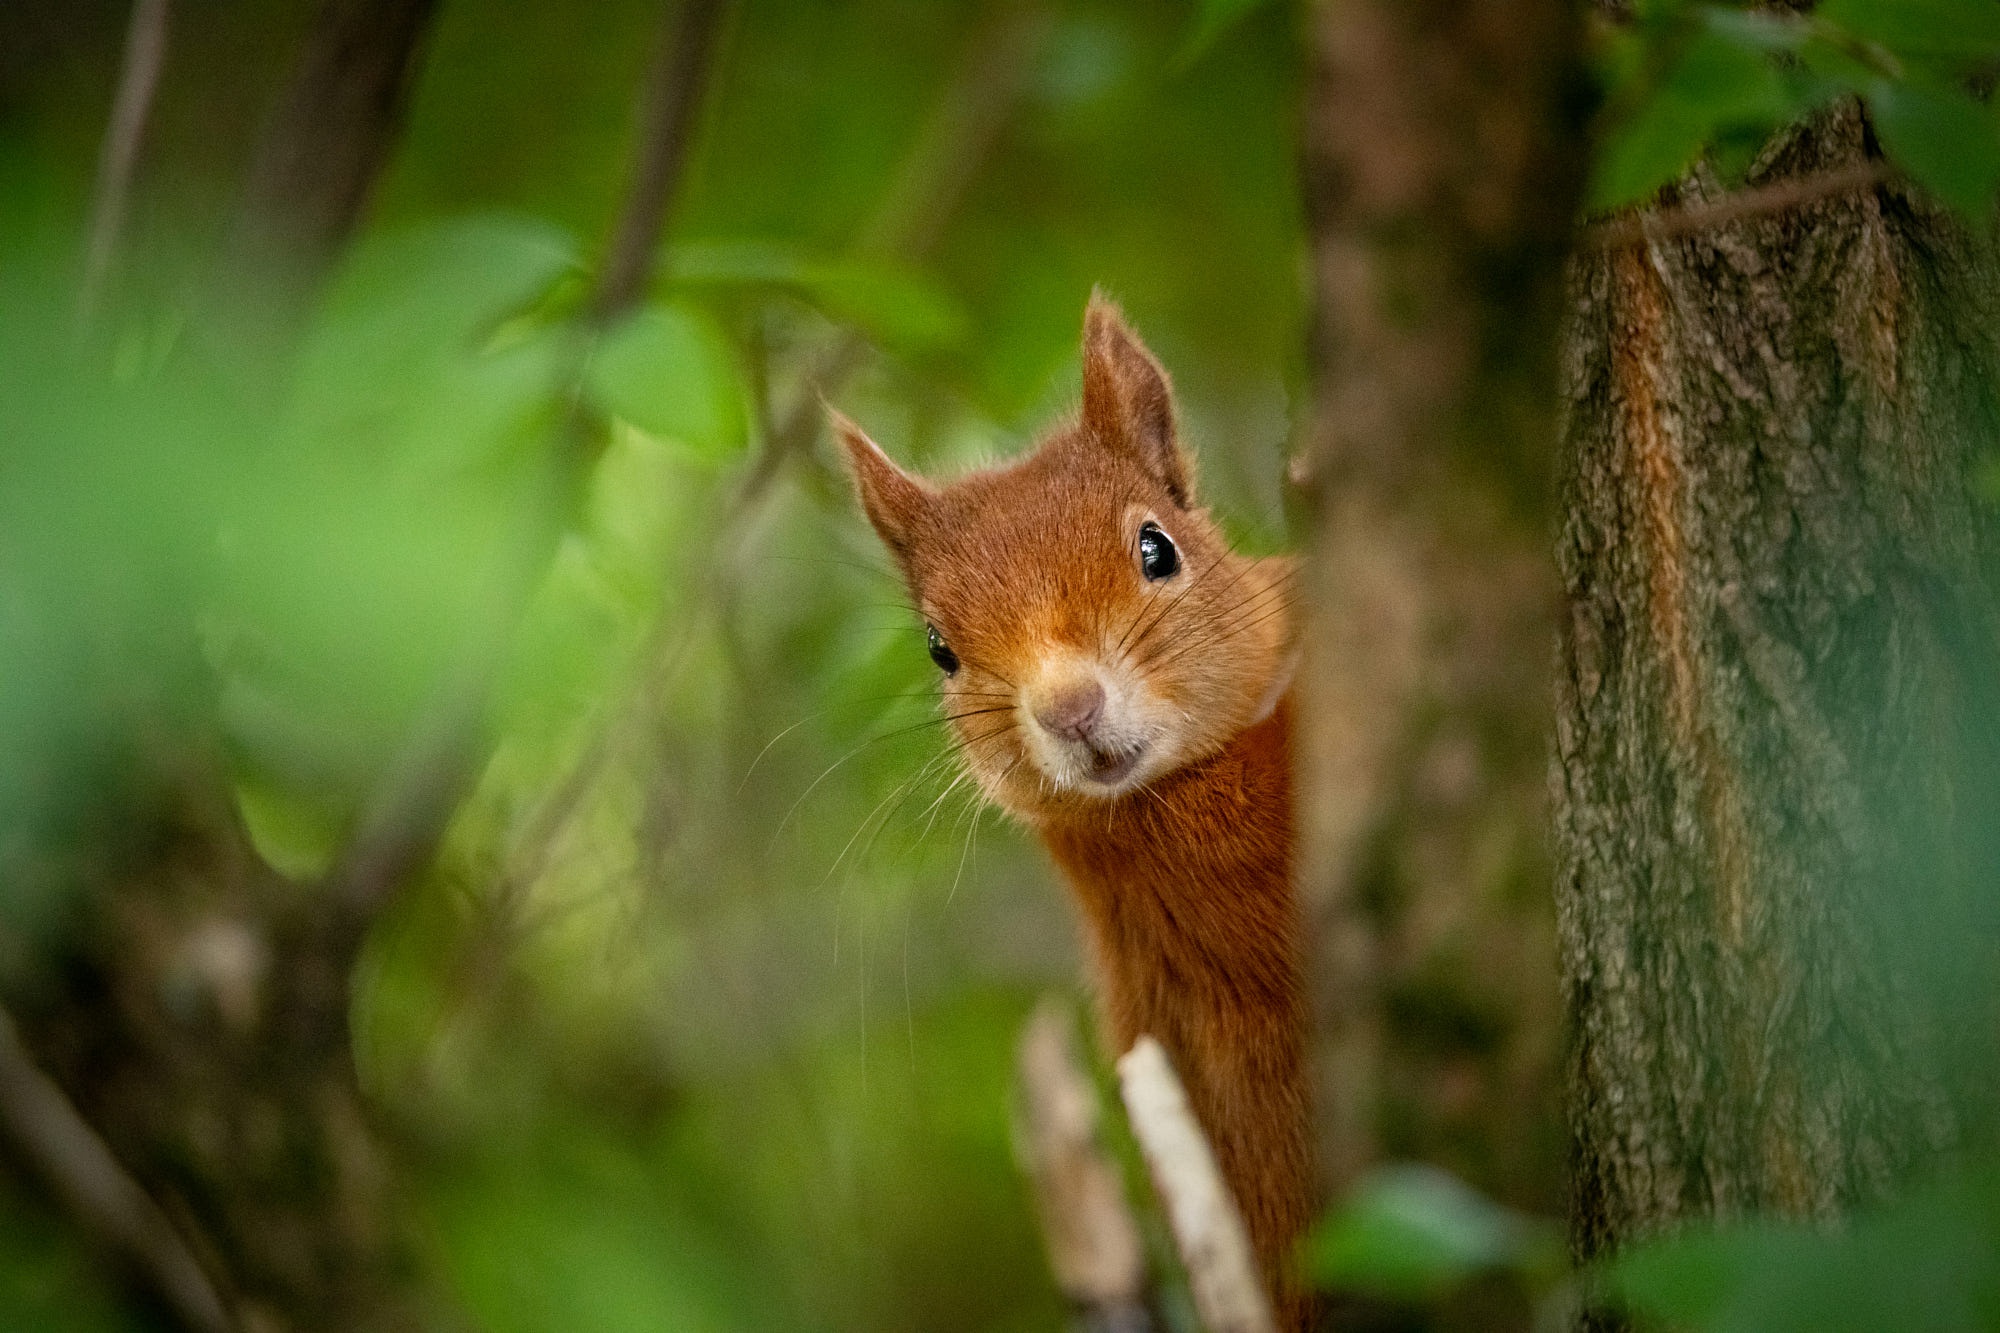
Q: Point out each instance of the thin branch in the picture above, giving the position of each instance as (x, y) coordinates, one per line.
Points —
(1093, 1243)
(948, 156)
(1637, 228)
(668, 116)
(60, 1144)
(970, 115)
(407, 815)
(326, 143)
(1208, 1231)
(118, 157)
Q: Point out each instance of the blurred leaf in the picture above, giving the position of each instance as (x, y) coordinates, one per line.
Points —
(1413, 1232)
(1723, 79)
(1958, 30)
(1212, 19)
(1931, 1261)
(1755, 29)
(1947, 141)
(410, 298)
(890, 302)
(297, 840)
(671, 372)
(900, 307)
(572, 1239)
(48, 1282)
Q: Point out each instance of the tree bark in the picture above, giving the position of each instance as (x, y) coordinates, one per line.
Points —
(1773, 782)
(1442, 163)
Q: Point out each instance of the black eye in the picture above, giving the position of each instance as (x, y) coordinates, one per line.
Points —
(1157, 557)
(941, 652)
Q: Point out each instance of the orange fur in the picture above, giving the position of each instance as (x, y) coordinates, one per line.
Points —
(1169, 811)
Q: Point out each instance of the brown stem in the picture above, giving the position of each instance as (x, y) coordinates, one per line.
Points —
(118, 158)
(402, 823)
(1638, 227)
(668, 115)
(970, 115)
(326, 143)
(54, 1137)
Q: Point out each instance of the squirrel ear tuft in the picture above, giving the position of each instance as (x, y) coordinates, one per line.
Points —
(1128, 402)
(891, 497)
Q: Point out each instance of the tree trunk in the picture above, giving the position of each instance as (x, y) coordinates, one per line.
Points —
(1773, 772)
(1442, 159)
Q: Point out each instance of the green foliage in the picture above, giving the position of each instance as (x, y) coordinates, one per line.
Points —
(1417, 1236)
(1684, 79)
(1414, 1233)
(48, 1281)
(729, 1047)
(670, 371)
(1931, 1261)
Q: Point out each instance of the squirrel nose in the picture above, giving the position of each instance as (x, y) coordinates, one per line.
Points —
(1072, 710)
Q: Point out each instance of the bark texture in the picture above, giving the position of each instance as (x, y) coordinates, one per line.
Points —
(1773, 779)
(1441, 171)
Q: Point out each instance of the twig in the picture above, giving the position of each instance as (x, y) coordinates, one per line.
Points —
(406, 817)
(972, 111)
(667, 118)
(61, 1145)
(118, 158)
(946, 159)
(1093, 1243)
(324, 146)
(1208, 1231)
(1638, 227)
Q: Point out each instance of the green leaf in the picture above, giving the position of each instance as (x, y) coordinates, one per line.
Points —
(1414, 1232)
(891, 303)
(1928, 1262)
(895, 305)
(293, 837)
(1722, 80)
(670, 371)
(1949, 30)
(1947, 141)
(1212, 19)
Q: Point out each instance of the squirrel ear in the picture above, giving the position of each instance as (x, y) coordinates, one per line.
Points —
(892, 498)
(1128, 403)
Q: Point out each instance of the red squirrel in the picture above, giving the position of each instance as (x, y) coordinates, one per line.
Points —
(1119, 681)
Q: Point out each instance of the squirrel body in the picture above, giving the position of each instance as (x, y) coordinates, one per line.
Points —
(1119, 680)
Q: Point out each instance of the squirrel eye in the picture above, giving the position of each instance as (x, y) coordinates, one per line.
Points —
(941, 652)
(1157, 557)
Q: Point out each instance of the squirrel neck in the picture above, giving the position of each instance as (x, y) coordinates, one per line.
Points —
(1186, 889)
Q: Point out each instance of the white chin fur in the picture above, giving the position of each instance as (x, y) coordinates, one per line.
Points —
(1127, 749)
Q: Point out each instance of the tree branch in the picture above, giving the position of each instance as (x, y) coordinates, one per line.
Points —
(406, 817)
(1638, 227)
(963, 129)
(970, 114)
(668, 114)
(326, 143)
(1222, 1273)
(1093, 1243)
(118, 158)
(60, 1144)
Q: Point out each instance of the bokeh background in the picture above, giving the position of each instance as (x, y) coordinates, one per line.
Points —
(704, 1016)
(477, 850)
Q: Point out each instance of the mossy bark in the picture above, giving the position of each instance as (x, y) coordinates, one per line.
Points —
(1773, 779)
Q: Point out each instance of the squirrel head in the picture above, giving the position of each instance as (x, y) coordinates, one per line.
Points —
(1094, 630)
